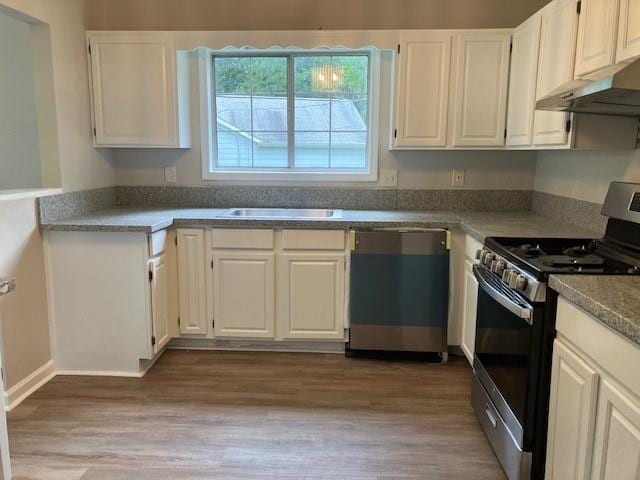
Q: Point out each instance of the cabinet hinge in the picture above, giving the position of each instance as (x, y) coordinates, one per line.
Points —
(89, 49)
(505, 133)
(395, 133)
(211, 264)
(213, 322)
(175, 240)
(178, 321)
(579, 6)
(153, 341)
(511, 48)
(94, 131)
(567, 126)
(398, 48)
(150, 276)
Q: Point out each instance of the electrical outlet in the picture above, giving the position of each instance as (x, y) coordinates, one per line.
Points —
(388, 178)
(458, 178)
(170, 174)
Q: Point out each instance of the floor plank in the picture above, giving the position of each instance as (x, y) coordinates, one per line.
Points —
(245, 415)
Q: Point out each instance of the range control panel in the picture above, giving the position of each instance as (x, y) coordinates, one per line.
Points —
(635, 202)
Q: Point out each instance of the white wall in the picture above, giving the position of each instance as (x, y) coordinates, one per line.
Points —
(422, 170)
(19, 152)
(585, 175)
(25, 315)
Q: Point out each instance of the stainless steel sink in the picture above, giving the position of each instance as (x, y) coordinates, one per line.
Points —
(292, 213)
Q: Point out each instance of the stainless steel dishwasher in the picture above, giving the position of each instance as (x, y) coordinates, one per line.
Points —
(399, 291)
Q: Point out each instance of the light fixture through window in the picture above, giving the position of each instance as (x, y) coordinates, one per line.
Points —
(327, 77)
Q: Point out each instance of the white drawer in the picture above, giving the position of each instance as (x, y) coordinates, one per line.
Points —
(471, 247)
(158, 242)
(261, 239)
(313, 239)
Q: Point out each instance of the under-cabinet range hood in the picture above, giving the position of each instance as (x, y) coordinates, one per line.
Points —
(614, 94)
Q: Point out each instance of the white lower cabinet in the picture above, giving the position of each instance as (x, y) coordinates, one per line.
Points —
(159, 277)
(243, 294)
(574, 387)
(192, 281)
(311, 295)
(594, 409)
(469, 311)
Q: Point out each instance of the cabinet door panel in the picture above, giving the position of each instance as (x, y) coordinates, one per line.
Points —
(555, 67)
(469, 311)
(311, 295)
(133, 87)
(243, 294)
(617, 445)
(628, 30)
(159, 301)
(481, 89)
(423, 90)
(571, 415)
(191, 282)
(596, 35)
(522, 82)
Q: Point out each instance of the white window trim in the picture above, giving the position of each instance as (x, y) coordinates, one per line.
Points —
(208, 134)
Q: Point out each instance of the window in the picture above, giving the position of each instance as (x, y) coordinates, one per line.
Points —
(301, 115)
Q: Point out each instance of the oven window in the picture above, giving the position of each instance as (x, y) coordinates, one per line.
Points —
(503, 347)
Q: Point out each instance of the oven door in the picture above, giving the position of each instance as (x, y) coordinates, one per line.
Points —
(502, 360)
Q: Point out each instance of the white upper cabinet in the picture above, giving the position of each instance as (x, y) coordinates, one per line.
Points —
(628, 30)
(596, 46)
(522, 82)
(422, 100)
(555, 68)
(482, 76)
(134, 90)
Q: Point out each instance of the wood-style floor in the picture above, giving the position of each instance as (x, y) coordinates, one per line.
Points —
(235, 415)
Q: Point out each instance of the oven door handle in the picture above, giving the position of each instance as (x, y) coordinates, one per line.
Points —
(501, 298)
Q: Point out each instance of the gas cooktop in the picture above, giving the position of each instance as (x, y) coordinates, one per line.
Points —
(543, 256)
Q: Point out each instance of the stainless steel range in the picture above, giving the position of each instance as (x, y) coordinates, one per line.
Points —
(515, 325)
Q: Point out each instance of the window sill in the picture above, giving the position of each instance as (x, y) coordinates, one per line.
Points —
(312, 177)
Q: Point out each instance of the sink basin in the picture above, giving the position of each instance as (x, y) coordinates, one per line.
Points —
(292, 213)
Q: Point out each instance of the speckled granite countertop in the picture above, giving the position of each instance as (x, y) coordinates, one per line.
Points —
(614, 300)
(478, 224)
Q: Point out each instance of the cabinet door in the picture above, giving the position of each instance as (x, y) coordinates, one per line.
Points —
(628, 30)
(243, 294)
(522, 82)
(422, 100)
(617, 437)
(311, 295)
(191, 282)
(160, 301)
(555, 67)
(571, 415)
(134, 89)
(469, 311)
(481, 89)
(597, 29)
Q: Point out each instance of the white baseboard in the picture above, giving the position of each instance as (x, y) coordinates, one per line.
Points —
(99, 373)
(21, 390)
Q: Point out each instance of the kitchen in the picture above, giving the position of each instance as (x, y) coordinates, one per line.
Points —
(199, 299)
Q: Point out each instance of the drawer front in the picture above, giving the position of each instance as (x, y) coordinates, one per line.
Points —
(246, 238)
(158, 242)
(313, 239)
(471, 247)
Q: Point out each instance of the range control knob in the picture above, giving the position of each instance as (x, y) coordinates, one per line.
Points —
(513, 278)
(506, 274)
(479, 254)
(497, 266)
(521, 282)
(488, 258)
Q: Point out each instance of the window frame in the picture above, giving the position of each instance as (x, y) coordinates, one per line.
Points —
(290, 173)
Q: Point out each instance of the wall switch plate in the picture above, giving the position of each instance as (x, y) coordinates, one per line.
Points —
(458, 178)
(170, 174)
(388, 178)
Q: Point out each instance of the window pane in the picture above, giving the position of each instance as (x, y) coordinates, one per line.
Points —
(349, 113)
(234, 111)
(270, 150)
(351, 73)
(234, 148)
(348, 150)
(312, 113)
(312, 149)
(233, 74)
(269, 75)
